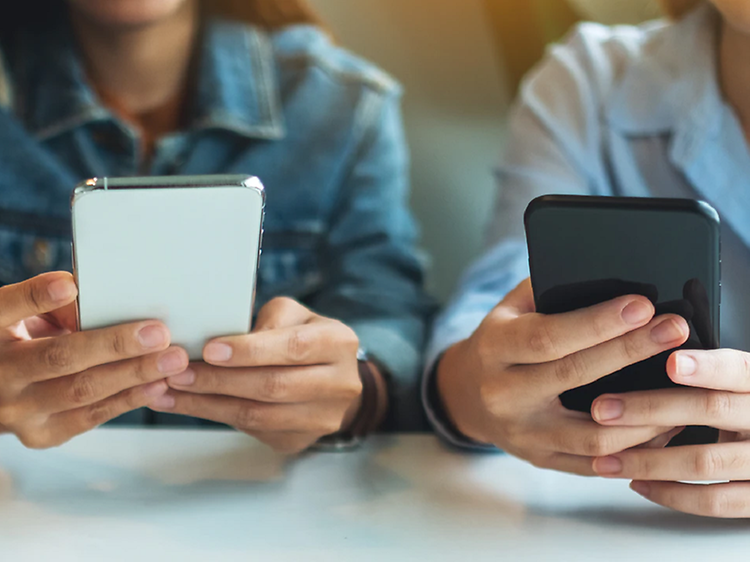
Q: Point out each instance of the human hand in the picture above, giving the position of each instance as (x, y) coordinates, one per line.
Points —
(502, 385)
(293, 380)
(55, 384)
(718, 396)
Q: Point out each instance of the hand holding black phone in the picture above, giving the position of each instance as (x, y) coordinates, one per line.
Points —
(587, 250)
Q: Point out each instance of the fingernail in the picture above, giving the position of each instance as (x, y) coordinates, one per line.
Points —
(642, 488)
(165, 402)
(608, 466)
(171, 362)
(686, 365)
(155, 389)
(217, 352)
(637, 312)
(152, 336)
(667, 332)
(185, 378)
(608, 409)
(61, 290)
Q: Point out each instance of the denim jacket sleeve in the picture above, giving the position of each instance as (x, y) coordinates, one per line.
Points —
(373, 267)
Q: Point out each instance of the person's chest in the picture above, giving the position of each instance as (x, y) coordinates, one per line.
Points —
(37, 179)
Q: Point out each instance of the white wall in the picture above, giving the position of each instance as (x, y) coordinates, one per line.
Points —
(444, 54)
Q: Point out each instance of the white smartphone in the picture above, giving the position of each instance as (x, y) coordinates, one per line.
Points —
(183, 250)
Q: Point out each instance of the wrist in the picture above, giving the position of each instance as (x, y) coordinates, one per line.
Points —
(380, 388)
(454, 393)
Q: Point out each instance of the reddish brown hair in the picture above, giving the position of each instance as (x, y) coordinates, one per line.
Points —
(677, 9)
(270, 14)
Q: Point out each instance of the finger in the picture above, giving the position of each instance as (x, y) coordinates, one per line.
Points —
(538, 338)
(99, 383)
(582, 368)
(721, 369)
(287, 443)
(39, 327)
(318, 343)
(66, 425)
(36, 296)
(269, 384)
(727, 500)
(696, 463)
(587, 438)
(246, 415)
(572, 464)
(662, 440)
(675, 407)
(281, 312)
(45, 359)
(520, 300)
(65, 317)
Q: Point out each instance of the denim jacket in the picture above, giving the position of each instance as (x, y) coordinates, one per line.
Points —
(321, 128)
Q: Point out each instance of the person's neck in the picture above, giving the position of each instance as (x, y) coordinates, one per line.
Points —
(734, 70)
(142, 67)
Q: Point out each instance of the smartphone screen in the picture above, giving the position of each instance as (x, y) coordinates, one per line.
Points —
(588, 250)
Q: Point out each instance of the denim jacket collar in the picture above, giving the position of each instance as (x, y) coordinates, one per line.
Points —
(237, 89)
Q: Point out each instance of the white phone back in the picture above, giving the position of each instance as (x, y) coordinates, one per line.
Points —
(185, 255)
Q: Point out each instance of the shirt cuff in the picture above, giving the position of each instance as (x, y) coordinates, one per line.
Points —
(438, 417)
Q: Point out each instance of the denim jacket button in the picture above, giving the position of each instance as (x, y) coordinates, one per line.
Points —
(39, 256)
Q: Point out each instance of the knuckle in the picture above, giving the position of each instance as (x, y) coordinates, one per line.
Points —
(119, 343)
(282, 303)
(213, 380)
(714, 503)
(718, 406)
(329, 426)
(34, 296)
(275, 387)
(347, 337)
(300, 345)
(744, 364)
(35, 439)
(492, 397)
(142, 371)
(486, 352)
(569, 370)
(516, 436)
(600, 328)
(353, 389)
(9, 415)
(541, 342)
(633, 348)
(248, 417)
(97, 414)
(645, 407)
(82, 390)
(58, 357)
(707, 463)
(598, 444)
(541, 462)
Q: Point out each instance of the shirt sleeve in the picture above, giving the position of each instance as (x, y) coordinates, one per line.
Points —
(553, 146)
(375, 274)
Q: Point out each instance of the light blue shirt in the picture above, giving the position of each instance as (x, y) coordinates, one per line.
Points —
(626, 111)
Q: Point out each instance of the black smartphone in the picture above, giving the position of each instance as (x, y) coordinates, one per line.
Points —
(587, 250)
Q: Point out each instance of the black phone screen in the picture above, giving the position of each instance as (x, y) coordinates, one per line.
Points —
(588, 250)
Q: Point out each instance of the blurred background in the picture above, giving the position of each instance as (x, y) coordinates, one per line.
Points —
(460, 62)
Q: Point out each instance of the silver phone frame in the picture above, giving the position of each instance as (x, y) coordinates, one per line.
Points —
(167, 182)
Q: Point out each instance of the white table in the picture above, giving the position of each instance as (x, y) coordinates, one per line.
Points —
(219, 496)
